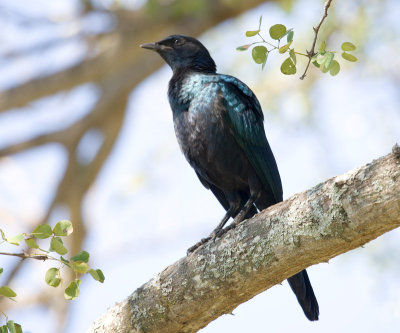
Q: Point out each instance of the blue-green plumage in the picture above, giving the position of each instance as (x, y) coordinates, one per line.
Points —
(219, 126)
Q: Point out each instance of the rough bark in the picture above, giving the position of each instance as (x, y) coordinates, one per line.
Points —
(333, 217)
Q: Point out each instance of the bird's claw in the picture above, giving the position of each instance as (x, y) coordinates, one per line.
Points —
(213, 236)
(217, 233)
(193, 248)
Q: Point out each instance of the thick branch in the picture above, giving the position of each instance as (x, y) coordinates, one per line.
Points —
(334, 217)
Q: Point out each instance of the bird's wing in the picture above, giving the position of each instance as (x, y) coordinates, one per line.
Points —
(245, 118)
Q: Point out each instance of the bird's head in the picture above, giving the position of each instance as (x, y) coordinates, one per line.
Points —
(183, 52)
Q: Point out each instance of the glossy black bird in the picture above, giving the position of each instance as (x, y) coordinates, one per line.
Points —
(219, 126)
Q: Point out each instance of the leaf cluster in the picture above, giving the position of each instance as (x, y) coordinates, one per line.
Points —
(78, 263)
(323, 59)
(10, 325)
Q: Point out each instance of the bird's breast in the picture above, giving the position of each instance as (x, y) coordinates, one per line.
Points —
(198, 130)
(197, 120)
(210, 148)
(204, 134)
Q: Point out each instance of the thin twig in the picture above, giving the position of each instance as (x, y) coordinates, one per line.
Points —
(24, 256)
(264, 41)
(311, 53)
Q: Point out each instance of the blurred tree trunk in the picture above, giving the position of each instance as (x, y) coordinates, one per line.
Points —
(116, 64)
(334, 217)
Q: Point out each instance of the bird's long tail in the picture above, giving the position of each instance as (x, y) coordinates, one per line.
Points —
(301, 286)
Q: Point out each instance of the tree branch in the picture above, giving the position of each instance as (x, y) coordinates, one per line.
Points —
(122, 51)
(311, 53)
(333, 217)
(24, 255)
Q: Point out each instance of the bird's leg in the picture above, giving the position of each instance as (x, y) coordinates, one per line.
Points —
(215, 232)
(218, 231)
(219, 227)
(243, 212)
(238, 218)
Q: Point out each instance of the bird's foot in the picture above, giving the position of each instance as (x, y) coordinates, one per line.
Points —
(218, 232)
(193, 248)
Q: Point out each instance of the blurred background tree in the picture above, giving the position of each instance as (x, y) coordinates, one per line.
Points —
(86, 134)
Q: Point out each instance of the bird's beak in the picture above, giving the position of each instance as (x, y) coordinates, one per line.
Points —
(150, 46)
(156, 47)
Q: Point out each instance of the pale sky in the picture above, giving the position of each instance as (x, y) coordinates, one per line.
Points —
(355, 119)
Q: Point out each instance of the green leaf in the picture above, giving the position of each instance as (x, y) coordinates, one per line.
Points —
(251, 33)
(322, 47)
(80, 267)
(63, 228)
(97, 275)
(11, 326)
(42, 231)
(324, 60)
(259, 54)
(81, 256)
(65, 261)
(31, 243)
(3, 236)
(324, 69)
(243, 47)
(320, 58)
(314, 60)
(284, 48)
(57, 245)
(335, 68)
(7, 292)
(18, 328)
(94, 274)
(290, 35)
(3, 329)
(265, 61)
(347, 46)
(277, 31)
(349, 57)
(15, 240)
(52, 277)
(72, 291)
(329, 57)
(259, 23)
(288, 67)
(1, 271)
(292, 55)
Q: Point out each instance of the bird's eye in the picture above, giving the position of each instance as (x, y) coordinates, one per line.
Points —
(178, 42)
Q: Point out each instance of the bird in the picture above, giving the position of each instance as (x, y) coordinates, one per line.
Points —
(219, 125)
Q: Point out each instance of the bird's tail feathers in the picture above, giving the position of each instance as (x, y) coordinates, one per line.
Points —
(301, 286)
